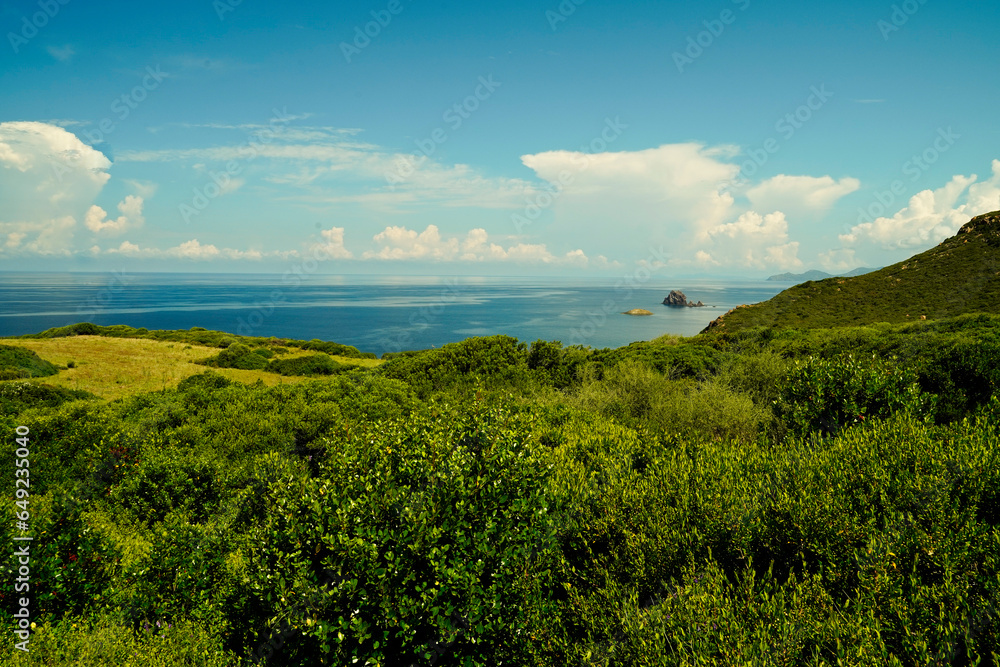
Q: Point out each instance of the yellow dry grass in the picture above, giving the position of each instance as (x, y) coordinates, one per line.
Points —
(116, 367)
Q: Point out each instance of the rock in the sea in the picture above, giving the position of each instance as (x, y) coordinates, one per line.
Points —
(637, 311)
(677, 299)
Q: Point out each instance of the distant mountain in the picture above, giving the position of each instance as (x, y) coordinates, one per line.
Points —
(800, 277)
(960, 275)
(818, 275)
(860, 271)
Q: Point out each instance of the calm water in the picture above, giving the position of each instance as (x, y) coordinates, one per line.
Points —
(375, 314)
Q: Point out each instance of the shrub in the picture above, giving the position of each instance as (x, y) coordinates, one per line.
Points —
(423, 538)
(638, 395)
(15, 397)
(237, 355)
(315, 364)
(71, 564)
(499, 359)
(106, 640)
(22, 363)
(828, 395)
(206, 380)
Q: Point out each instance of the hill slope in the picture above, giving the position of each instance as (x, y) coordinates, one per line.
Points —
(960, 275)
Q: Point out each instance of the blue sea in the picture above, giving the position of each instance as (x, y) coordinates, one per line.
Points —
(373, 313)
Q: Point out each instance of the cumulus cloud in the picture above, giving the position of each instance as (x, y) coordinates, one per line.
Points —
(131, 217)
(47, 237)
(679, 195)
(838, 260)
(752, 241)
(399, 243)
(48, 177)
(930, 217)
(798, 195)
(984, 197)
(333, 244)
(657, 191)
(189, 250)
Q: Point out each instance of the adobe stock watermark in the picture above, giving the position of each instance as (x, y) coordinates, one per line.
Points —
(699, 43)
(121, 107)
(786, 127)
(899, 17)
(565, 9)
(223, 7)
(204, 195)
(291, 279)
(583, 158)
(363, 36)
(422, 318)
(97, 305)
(31, 26)
(455, 116)
(915, 167)
(640, 276)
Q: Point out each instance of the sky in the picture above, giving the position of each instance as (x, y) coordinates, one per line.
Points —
(733, 138)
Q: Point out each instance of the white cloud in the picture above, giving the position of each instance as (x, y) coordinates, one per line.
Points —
(144, 189)
(333, 245)
(838, 260)
(14, 239)
(403, 243)
(752, 241)
(984, 197)
(193, 250)
(399, 243)
(41, 163)
(45, 237)
(190, 250)
(800, 195)
(930, 217)
(48, 177)
(654, 193)
(62, 53)
(130, 218)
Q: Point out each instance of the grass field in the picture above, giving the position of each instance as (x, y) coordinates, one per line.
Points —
(116, 367)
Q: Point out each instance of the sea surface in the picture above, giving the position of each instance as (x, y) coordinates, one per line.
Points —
(373, 313)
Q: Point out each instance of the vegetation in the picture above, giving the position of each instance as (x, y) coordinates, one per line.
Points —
(960, 275)
(753, 496)
(197, 336)
(19, 363)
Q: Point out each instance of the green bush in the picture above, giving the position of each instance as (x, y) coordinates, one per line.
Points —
(105, 640)
(639, 396)
(423, 540)
(501, 360)
(15, 397)
(676, 360)
(71, 565)
(828, 395)
(206, 380)
(237, 355)
(314, 364)
(22, 363)
(166, 480)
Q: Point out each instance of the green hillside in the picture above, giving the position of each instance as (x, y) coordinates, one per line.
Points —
(17, 362)
(816, 497)
(960, 275)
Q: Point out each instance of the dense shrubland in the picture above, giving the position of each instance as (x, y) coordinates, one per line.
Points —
(824, 497)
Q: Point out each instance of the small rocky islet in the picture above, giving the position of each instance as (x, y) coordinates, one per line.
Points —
(675, 299)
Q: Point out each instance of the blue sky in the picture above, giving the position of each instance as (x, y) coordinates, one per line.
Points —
(731, 138)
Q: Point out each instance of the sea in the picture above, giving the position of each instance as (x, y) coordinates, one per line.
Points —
(373, 313)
